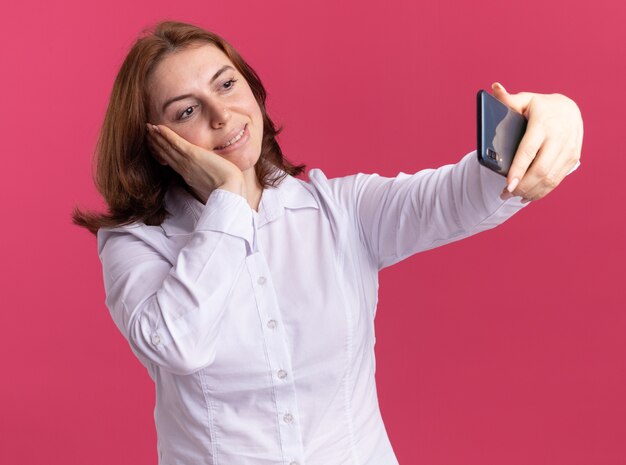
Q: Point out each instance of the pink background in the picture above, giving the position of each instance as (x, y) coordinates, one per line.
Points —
(508, 347)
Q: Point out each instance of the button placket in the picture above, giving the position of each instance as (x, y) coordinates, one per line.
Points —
(278, 357)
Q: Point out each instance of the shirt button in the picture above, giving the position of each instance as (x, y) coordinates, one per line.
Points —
(282, 374)
(271, 324)
(156, 339)
(261, 280)
(288, 417)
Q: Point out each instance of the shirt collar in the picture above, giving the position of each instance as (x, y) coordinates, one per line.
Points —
(291, 193)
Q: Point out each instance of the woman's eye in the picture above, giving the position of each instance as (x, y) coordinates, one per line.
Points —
(232, 81)
(185, 113)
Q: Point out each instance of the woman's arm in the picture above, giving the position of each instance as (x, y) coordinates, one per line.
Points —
(171, 314)
(398, 217)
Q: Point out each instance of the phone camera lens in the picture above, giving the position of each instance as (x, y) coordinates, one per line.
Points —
(492, 154)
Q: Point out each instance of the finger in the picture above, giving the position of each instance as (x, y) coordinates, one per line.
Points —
(518, 102)
(156, 153)
(525, 154)
(546, 184)
(156, 146)
(164, 149)
(562, 171)
(154, 149)
(543, 171)
(179, 144)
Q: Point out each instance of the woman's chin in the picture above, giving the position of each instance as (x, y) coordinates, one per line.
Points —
(243, 162)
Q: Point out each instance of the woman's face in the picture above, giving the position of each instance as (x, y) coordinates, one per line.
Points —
(200, 95)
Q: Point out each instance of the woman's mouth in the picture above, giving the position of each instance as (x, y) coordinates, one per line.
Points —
(240, 139)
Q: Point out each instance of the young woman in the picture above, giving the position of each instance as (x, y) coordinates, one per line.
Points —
(249, 294)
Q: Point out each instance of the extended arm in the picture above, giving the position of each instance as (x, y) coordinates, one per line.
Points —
(400, 216)
(397, 217)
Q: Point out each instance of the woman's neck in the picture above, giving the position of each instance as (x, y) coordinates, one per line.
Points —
(254, 191)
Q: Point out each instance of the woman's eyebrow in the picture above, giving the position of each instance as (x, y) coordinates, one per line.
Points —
(181, 97)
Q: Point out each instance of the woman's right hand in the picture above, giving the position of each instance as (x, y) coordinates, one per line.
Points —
(203, 170)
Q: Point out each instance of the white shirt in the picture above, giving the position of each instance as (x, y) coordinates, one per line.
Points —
(258, 327)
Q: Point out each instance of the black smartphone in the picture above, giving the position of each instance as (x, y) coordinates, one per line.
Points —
(500, 130)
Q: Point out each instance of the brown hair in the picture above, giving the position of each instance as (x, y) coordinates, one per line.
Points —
(129, 178)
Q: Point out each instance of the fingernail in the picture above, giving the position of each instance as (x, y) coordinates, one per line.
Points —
(512, 185)
(506, 195)
(497, 85)
(156, 128)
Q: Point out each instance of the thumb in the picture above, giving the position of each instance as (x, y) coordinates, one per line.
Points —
(518, 102)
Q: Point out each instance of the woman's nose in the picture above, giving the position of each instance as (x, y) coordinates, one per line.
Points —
(219, 116)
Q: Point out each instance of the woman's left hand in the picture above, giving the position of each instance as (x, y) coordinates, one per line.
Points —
(551, 146)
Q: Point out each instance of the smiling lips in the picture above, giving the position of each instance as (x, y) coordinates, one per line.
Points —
(238, 136)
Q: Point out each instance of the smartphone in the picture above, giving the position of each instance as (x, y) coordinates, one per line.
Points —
(500, 130)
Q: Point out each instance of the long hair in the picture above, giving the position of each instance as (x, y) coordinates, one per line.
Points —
(131, 181)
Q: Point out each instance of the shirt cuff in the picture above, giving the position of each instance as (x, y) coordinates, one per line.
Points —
(229, 213)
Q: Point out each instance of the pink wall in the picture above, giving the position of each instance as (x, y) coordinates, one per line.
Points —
(529, 370)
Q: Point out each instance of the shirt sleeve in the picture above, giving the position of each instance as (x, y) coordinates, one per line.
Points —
(397, 217)
(171, 315)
